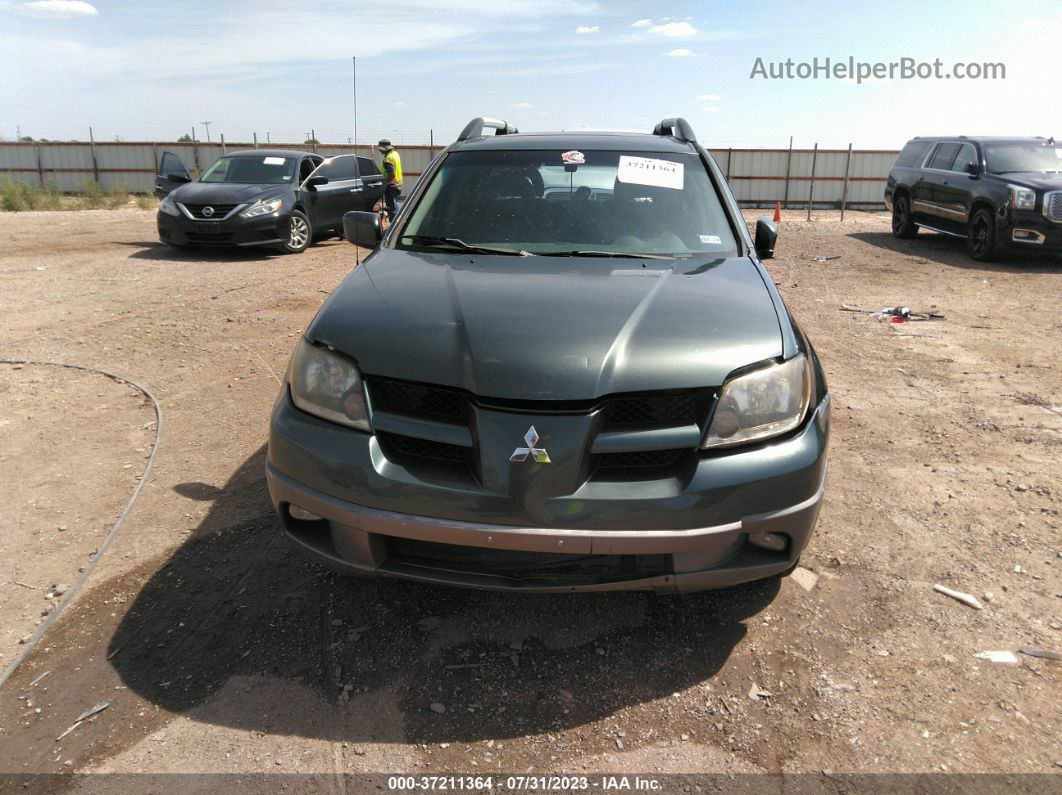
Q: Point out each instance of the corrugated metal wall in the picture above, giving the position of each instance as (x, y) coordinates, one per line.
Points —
(757, 176)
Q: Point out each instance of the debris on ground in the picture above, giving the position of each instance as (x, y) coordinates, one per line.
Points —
(1042, 653)
(805, 578)
(88, 713)
(997, 656)
(438, 708)
(904, 313)
(39, 678)
(822, 258)
(965, 598)
(756, 692)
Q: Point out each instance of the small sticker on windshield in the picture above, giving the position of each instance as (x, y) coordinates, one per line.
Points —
(714, 240)
(574, 157)
(273, 161)
(650, 171)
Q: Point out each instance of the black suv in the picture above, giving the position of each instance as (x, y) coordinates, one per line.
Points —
(564, 367)
(996, 193)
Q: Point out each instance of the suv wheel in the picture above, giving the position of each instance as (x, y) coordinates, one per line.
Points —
(903, 224)
(981, 236)
(299, 233)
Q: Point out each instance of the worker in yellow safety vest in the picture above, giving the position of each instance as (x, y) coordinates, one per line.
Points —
(391, 168)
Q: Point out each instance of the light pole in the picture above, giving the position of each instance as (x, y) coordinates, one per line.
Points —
(207, 125)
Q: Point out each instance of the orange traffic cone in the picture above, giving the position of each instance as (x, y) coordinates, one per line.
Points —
(777, 212)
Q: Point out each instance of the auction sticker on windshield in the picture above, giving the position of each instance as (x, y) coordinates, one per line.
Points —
(650, 171)
(273, 161)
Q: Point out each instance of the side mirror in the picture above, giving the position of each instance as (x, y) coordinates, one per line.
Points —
(766, 235)
(313, 182)
(972, 169)
(362, 228)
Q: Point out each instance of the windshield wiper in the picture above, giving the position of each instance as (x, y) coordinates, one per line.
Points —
(593, 253)
(453, 242)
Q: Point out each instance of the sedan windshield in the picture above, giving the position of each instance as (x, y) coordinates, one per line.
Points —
(251, 169)
(1007, 158)
(572, 203)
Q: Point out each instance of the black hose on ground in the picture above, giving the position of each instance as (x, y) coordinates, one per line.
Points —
(70, 594)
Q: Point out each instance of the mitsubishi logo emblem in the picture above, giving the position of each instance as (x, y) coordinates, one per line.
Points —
(538, 453)
(208, 211)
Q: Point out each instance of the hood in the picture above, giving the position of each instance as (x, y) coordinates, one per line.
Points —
(551, 328)
(225, 192)
(1033, 179)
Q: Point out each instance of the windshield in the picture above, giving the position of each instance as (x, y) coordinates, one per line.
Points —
(1031, 156)
(566, 201)
(251, 169)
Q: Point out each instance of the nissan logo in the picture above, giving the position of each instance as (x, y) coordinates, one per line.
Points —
(208, 211)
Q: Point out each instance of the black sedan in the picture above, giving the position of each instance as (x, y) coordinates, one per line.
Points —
(263, 197)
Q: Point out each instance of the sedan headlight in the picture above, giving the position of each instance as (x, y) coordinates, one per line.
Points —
(1022, 198)
(263, 207)
(328, 386)
(761, 404)
(169, 206)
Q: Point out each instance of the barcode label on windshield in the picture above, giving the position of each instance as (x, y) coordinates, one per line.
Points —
(650, 171)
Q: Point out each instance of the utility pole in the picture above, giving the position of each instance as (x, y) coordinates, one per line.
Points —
(354, 61)
(207, 125)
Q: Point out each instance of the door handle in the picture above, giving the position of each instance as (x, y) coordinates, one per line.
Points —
(355, 190)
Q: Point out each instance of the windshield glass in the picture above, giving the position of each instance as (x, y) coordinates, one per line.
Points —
(563, 201)
(251, 169)
(1031, 156)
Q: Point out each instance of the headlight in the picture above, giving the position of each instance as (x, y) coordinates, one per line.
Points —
(263, 207)
(761, 404)
(1022, 198)
(327, 386)
(169, 206)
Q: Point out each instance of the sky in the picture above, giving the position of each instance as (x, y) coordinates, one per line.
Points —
(149, 70)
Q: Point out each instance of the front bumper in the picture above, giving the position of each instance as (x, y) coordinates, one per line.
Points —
(1034, 231)
(183, 231)
(659, 535)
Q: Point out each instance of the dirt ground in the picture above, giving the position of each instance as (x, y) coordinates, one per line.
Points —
(221, 650)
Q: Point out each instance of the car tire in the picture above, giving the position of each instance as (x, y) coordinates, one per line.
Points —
(981, 240)
(300, 233)
(903, 225)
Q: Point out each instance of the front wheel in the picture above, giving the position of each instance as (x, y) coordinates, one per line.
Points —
(981, 236)
(903, 225)
(299, 233)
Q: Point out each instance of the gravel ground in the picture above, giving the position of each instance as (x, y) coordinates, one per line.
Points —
(220, 650)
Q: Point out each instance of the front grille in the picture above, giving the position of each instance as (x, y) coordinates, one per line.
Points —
(1053, 206)
(196, 237)
(687, 409)
(641, 459)
(517, 566)
(403, 397)
(220, 211)
(411, 447)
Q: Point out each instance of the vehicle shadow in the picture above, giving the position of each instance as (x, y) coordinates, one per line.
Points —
(154, 250)
(238, 629)
(951, 251)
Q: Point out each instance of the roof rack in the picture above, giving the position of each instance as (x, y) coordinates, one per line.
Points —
(676, 128)
(474, 129)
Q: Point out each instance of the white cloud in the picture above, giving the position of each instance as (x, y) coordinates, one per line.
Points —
(674, 30)
(708, 97)
(642, 23)
(521, 105)
(58, 9)
(588, 29)
(681, 52)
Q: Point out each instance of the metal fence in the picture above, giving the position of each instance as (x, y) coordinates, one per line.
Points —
(758, 177)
